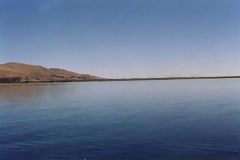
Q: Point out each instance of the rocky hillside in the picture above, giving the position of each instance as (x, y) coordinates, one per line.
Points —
(18, 72)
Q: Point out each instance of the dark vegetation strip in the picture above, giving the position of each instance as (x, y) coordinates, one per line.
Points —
(18, 80)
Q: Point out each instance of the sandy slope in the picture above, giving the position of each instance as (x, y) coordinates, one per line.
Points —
(18, 72)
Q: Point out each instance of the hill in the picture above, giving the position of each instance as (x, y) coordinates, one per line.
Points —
(18, 72)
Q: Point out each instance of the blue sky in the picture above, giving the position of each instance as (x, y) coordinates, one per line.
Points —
(124, 38)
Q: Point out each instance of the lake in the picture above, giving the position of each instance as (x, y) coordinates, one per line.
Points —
(130, 120)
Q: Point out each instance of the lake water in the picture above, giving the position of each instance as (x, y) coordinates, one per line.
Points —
(134, 120)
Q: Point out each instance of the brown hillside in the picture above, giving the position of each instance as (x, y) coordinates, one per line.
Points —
(18, 72)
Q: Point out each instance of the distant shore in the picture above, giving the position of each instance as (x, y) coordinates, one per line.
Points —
(172, 78)
(13, 72)
(133, 79)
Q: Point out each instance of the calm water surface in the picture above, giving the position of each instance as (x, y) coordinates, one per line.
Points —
(167, 120)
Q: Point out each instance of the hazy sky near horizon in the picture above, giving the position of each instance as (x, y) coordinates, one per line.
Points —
(124, 38)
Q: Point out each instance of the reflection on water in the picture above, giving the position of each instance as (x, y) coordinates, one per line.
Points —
(24, 92)
(170, 120)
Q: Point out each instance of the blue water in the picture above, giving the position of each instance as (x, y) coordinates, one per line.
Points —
(135, 120)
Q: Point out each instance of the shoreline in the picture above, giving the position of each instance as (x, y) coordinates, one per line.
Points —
(130, 79)
(175, 78)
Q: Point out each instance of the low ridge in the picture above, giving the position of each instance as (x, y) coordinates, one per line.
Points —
(19, 72)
